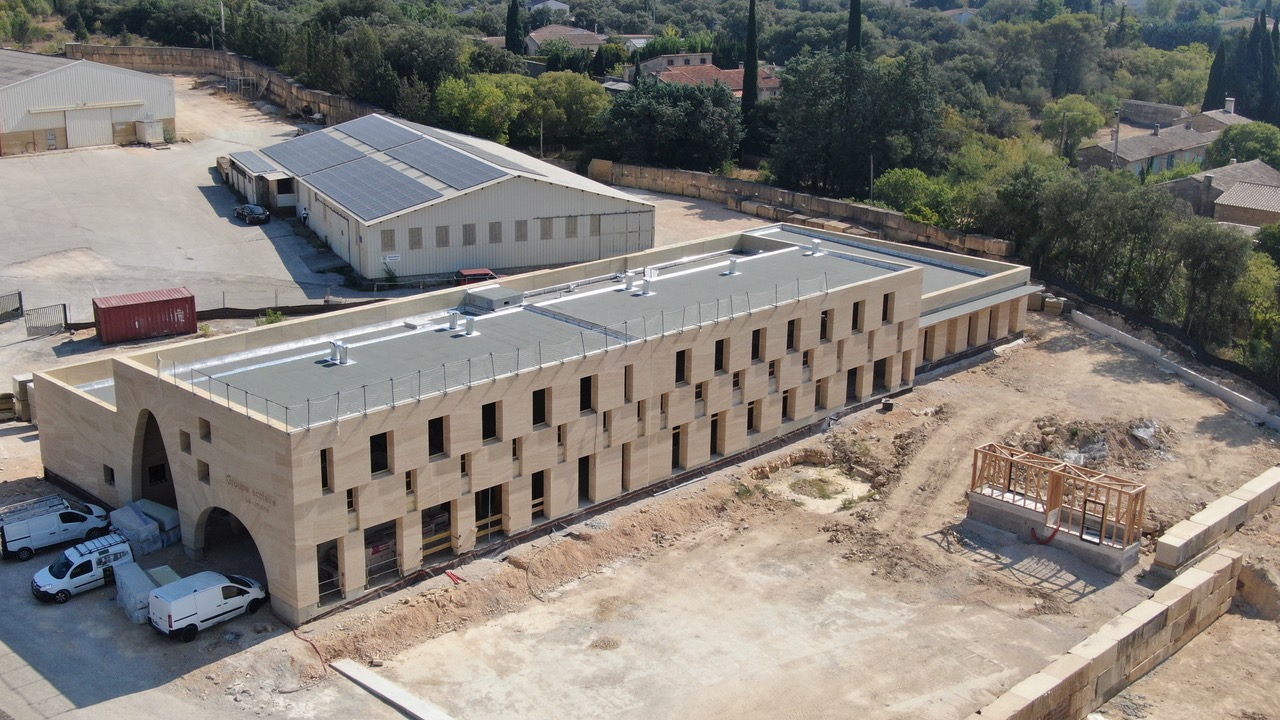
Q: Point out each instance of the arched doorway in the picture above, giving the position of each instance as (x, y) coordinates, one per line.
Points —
(153, 477)
(227, 545)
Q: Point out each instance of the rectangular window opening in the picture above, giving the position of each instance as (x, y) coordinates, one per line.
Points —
(628, 383)
(587, 394)
(722, 347)
(206, 430)
(495, 233)
(109, 475)
(886, 308)
(682, 366)
(469, 234)
(540, 407)
(522, 231)
(202, 471)
(326, 470)
(435, 436)
(489, 421)
(184, 441)
(379, 453)
(757, 345)
(793, 333)
(857, 315)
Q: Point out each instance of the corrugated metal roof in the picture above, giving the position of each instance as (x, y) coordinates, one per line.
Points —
(16, 66)
(1252, 196)
(140, 298)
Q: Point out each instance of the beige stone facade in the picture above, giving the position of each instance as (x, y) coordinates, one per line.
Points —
(489, 457)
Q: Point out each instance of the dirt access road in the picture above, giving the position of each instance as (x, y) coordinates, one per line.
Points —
(745, 596)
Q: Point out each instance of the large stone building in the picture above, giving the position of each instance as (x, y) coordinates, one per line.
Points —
(370, 441)
(391, 196)
(53, 103)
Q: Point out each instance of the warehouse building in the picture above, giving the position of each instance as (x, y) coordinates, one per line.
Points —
(53, 103)
(394, 197)
(356, 447)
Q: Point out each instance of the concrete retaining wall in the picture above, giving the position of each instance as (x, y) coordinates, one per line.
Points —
(1124, 649)
(1255, 410)
(1020, 521)
(273, 86)
(1183, 543)
(782, 205)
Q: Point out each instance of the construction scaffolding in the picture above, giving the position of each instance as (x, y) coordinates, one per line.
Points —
(1096, 507)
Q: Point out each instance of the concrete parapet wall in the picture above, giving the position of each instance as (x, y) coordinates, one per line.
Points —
(775, 203)
(272, 86)
(1125, 649)
(1181, 544)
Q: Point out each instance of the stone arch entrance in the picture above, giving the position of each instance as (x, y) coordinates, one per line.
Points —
(152, 475)
(225, 542)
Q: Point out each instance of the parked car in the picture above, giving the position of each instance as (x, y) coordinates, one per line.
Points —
(253, 214)
(82, 567)
(35, 524)
(182, 609)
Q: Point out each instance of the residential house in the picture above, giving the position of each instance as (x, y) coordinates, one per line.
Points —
(1149, 114)
(1249, 204)
(1203, 189)
(961, 16)
(577, 37)
(1218, 119)
(1157, 151)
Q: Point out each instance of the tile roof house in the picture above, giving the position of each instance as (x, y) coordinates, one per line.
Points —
(769, 83)
(1204, 188)
(577, 37)
(1157, 151)
(1249, 204)
(1149, 114)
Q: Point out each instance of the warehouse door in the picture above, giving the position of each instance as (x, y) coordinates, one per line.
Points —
(86, 128)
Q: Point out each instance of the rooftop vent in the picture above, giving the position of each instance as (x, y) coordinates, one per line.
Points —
(631, 282)
(815, 248)
(471, 327)
(338, 353)
(646, 287)
(733, 267)
(492, 297)
(453, 319)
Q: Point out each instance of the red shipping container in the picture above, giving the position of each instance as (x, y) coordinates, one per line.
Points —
(149, 314)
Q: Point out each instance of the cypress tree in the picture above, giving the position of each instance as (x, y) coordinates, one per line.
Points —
(1215, 96)
(853, 43)
(750, 71)
(515, 39)
(1267, 80)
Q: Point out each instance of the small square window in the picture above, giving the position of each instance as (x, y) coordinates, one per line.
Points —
(206, 430)
(202, 471)
(389, 240)
(351, 500)
(469, 234)
(415, 238)
(109, 475)
(546, 228)
(571, 226)
(522, 231)
(184, 441)
(442, 236)
(495, 233)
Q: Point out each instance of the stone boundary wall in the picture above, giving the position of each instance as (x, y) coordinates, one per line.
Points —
(1255, 410)
(1125, 649)
(272, 85)
(782, 205)
(1183, 543)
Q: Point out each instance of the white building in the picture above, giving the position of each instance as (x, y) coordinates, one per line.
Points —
(390, 195)
(52, 103)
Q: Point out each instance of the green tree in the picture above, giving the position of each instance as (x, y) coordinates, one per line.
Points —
(1215, 95)
(1245, 142)
(1214, 257)
(1069, 121)
(750, 70)
(565, 107)
(413, 102)
(1070, 46)
(853, 36)
(20, 27)
(515, 33)
(372, 79)
(477, 106)
(690, 126)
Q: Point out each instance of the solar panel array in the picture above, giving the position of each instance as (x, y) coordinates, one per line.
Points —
(474, 149)
(371, 189)
(378, 132)
(456, 169)
(253, 162)
(311, 153)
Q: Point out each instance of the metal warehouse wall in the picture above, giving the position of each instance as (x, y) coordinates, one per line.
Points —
(626, 226)
(85, 86)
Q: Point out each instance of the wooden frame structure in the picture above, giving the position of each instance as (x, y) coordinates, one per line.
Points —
(1098, 508)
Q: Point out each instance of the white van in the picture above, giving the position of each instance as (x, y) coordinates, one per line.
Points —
(46, 521)
(183, 608)
(83, 567)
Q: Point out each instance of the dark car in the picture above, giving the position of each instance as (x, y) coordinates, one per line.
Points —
(253, 214)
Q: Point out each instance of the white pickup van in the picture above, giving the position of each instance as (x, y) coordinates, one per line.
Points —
(82, 567)
(34, 524)
(182, 609)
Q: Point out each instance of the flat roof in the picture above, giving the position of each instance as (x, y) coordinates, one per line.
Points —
(416, 355)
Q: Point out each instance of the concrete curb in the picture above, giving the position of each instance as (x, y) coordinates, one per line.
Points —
(389, 692)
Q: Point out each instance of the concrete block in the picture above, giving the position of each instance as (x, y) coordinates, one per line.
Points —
(1220, 567)
(1109, 683)
(1005, 707)
(1266, 485)
(1099, 651)
(1254, 500)
(1180, 543)
(1199, 582)
(1176, 597)
(1053, 306)
(1035, 301)
(1126, 633)
(1070, 671)
(1046, 694)
(1237, 560)
(1142, 668)
(1221, 516)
